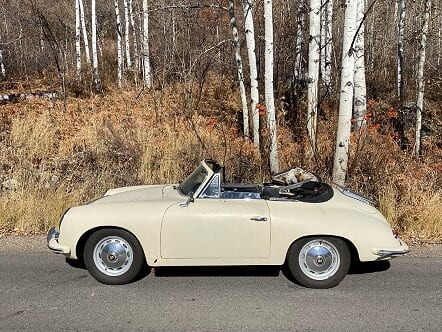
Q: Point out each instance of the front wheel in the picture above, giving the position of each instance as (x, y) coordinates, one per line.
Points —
(319, 262)
(113, 256)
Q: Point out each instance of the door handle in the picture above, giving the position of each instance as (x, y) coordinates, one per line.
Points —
(259, 218)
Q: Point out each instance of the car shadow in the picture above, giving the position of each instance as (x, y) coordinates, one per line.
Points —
(369, 267)
(238, 271)
(256, 271)
(218, 271)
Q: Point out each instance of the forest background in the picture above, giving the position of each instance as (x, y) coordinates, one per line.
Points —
(161, 93)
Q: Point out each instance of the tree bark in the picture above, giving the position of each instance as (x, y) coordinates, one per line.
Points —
(134, 36)
(328, 42)
(346, 95)
(250, 42)
(239, 67)
(78, 39)
(400, 51)
(313, 70)
(268, 85)
(299, 60)
(360, 89)
(420, 77)
(147, 75)
(119, 46)
(2, 65)
(85, 37)
(96, 73)
(126, 34)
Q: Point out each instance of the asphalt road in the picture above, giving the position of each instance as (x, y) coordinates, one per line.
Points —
(40, 292)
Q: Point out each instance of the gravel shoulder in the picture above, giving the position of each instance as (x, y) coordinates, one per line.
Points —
(37, 244)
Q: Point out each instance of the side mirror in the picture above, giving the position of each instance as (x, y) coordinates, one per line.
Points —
(189, 200)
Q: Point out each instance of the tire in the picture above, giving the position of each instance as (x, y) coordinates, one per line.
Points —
(319, 262)
(113, 256)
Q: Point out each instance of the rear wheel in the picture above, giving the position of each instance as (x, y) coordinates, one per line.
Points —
(319, 262)
(113, 256)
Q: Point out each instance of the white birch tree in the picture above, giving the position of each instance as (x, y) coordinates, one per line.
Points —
(328, 42)
(360, 88)
(96, 73)
(250, 42)
(239, 68)
(323, 39)
(313, 70)
(119, 46)
(268, 85)
(126, 34)
(147, 75)
(78, 39)
(346, 94)
(2, 65)
(420, 76)
(85, 36)
(400, 51)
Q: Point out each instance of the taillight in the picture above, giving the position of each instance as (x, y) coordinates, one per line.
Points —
(395, 234)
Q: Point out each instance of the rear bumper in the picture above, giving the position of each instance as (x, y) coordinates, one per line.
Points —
(386, 253)
(53, 244)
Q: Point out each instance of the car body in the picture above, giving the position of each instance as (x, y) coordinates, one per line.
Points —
(298, 220)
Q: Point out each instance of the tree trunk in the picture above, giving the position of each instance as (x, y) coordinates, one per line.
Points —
(346, 94)
(134, 36)
(147, 75)
(268, 85)
(400, 51)
(78, 39)
(420, 77)
(119, 46)
(96, 73)
(300, 24)
(239, 67)
(360, 89)
(439, 39)
(126, 34)
(250, 42)
(327, 47)
(85, 37)
(313, 70)
(2, 65)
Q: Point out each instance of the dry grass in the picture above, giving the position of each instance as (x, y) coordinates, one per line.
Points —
(57, 159)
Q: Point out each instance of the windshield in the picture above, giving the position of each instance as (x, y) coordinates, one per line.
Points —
(193, 181)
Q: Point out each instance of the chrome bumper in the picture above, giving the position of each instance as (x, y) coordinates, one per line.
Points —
(390, 253)
(53, 244)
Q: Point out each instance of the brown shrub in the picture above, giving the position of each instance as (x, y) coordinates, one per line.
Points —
(60, 158)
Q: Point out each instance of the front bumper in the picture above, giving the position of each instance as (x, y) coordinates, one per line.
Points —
(53, 235)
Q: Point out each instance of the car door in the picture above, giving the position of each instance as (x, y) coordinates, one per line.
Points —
(216, 228)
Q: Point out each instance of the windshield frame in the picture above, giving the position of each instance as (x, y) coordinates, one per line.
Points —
(196, 180)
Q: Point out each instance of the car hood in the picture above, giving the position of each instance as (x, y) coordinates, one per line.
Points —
(140, 194)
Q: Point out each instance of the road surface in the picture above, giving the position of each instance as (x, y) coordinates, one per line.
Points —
(40, 292)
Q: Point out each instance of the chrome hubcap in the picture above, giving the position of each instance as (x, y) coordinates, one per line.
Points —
(113, 256)
(319, 259)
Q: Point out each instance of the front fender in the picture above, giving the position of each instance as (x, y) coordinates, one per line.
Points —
(142, 219)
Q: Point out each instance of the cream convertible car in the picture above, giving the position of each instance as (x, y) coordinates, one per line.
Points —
(297, 220)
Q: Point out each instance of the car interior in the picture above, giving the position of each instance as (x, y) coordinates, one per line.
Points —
(294, 184)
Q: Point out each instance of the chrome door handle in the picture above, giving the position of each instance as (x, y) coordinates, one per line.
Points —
(259, 218)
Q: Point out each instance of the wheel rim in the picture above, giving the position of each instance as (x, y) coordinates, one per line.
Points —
(113, 256)
(319, 259)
